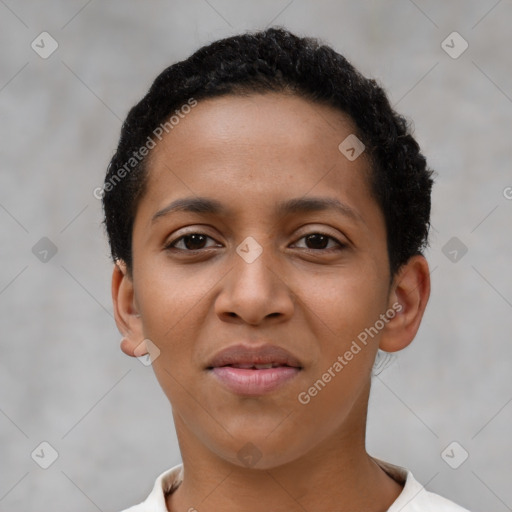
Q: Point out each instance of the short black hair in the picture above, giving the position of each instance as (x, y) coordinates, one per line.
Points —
(275, 60)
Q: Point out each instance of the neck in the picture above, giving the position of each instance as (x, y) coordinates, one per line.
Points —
(323, 487)
(337, 474)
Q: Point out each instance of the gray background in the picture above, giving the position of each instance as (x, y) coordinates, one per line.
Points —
(63, 378)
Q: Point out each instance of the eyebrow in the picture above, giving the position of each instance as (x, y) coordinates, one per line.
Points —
(209, 206)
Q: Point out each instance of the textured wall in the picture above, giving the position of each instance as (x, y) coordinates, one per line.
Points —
(63, 379)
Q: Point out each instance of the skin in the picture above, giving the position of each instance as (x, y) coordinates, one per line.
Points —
(250, 153)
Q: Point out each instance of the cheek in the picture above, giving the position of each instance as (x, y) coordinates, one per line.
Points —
(340, 306)
(334, 396)
(340, 312)
(334, 390)
(170, 300)
(172, 309)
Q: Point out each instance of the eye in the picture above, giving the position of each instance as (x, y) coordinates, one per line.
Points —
(196, 241)
(190, 242)
(320, 240)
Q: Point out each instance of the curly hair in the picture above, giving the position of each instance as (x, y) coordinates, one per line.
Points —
(275, 60)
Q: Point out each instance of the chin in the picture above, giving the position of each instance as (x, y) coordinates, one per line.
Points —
(258, 451)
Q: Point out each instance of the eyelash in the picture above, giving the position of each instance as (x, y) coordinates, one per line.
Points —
(341, 246)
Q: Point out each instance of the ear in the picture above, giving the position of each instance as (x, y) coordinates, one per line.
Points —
(408, 299)
(126, 312)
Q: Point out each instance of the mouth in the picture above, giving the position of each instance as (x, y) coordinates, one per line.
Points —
(254, 366)
(250, 371)
(247, 357)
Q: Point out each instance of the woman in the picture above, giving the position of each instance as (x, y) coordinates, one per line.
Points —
(267, 210)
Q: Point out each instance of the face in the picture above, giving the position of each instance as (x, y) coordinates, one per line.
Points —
(308, 277)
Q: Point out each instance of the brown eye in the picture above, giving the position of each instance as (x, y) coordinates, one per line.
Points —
(320, 241)
(190, 242)
(317, 241)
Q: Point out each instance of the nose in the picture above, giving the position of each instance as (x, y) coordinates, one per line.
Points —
(254, 290)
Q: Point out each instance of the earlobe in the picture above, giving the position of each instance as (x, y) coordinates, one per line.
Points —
(128, 347)
(408, 299)
(127, 317)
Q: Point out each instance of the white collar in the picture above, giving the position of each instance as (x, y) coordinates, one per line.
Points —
(413, 498)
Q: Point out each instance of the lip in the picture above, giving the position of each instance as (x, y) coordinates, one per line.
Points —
(264, 354)
(253, 381)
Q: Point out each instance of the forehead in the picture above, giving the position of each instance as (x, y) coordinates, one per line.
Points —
(262, 147)
(279, 122)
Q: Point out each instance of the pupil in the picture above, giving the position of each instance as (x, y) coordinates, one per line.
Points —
(196, 239)
(317, 236)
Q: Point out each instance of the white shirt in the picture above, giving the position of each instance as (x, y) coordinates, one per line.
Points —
(413, 498)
